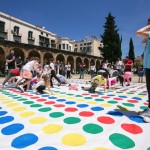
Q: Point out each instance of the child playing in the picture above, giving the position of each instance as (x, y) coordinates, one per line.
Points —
(97, 80)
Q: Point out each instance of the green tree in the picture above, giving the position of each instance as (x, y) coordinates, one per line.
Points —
(131, 50)
(111, 40)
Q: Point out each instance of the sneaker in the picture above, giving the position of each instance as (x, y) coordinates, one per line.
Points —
(145, 113)
(147, 119)
(21, 88)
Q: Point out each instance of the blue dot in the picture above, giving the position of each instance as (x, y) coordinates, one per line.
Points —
(122, 96)
(136, 98)
(115, 113)
(45, 95)
(100, 93)
(70, 102)
(137, 119)
(97, 108)
(82, 105)
(24, 140)
(6, 119)
(12, 129)
(47, 148)
(3, 113)
(52, 97)
(0, 107)
(60, 100)
(110, 95)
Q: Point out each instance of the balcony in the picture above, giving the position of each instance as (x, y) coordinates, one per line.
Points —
(16, 33)
(4, 31)
(31, 38)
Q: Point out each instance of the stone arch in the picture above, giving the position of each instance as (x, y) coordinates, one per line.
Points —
(60, 58)
(2, 61)
(92, 62)
(47, 57)
(78, 62)
(18, 52)
(34, 53)
(70, 59)
(86, 61)
(98, 65)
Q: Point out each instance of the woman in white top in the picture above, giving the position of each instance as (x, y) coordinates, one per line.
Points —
(92, 70)
(26, 72)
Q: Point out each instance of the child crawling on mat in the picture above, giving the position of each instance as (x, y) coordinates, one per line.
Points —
(96, 81)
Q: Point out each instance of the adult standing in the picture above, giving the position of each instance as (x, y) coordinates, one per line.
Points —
(68, 68)
(19, 63)
(82, 69)
(128, 64)
(119, 65)
(10, 60)
(145, 33)
(92, 70)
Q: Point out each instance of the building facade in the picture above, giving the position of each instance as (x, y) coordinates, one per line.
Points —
(29, 40)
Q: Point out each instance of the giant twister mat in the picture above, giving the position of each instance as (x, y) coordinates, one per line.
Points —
(74, 120)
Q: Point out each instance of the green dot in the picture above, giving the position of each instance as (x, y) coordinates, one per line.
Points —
(128, 104)
(44, 109)
(121, 141)
(142, 94)
(99, 99)
(87, 97)
(36, 105)
(92, 128)
(28, 102)
(130, 93)
(148, 148)
(143, 107)
(72, 120)
(22, 99)
(118, 92)
(56, 91)
(56, 114)
(112, 102)
(78, 96)
(70, 94)
(62, 92)
(16, 97)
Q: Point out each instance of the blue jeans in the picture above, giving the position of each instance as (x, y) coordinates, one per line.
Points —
(81, 74)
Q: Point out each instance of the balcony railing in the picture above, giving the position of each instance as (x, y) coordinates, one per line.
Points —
(16, 33)
(4, 31)
(31, 38)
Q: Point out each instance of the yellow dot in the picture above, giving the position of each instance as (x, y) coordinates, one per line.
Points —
(38, 120)
(18, 109)
(92, 102)
(73, 139)
(52, 128)
(8, 101)
(100, 148)
(27, 114)
(12, 104)
(105, 105)
(80, 100)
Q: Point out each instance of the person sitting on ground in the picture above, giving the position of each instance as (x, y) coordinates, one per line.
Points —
(95, 82)
(12, 73)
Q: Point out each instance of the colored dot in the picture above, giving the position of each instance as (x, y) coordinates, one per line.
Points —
(6, 119)
(106, 120)
(122, 96)
(22, 99)
(99, 99)
(110, 95)
(50, 102)
(137, 119)
(97, 108)
(72, 120)
(28, 102)
(3, 113)
(92, 102)
(71, 109)
(45, 109)
(86, 113)
(48, 148)
(128, 104)
(52, 128)
(59, 105)
(60, 100)
(101, 148)
(121, 141)
(24, 140)
(87, 98)
(136, 98)
(73, 139)
(112, 102)
(41, 100)
(115, 113)
(70, 102)
(132, 128)
(92, 128)
(36, 105)
(143, 107)
(118, 99)
(82, 105)
(45, 95)
(105, 105)
(56, 114)
(12, 129)
(34, 97)
(12, 104)
(132, 101)
(27, 114)
(6, 102)
(18, 109)
(105, 97)
(78, 96)
(52, 97)
(37, 120)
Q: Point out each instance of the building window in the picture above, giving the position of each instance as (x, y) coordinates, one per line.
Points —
(67, 46)
(81, 48)
(63, 46)
(76, 45)
(59, 46)
(75, 50)
(16, 30)
(42, 33)
(2, 26)
(30, 35)
(80, 44)
(89, 43)
(47, 35)
(84, 43)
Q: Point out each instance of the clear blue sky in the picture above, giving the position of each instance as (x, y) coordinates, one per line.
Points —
(77, 19)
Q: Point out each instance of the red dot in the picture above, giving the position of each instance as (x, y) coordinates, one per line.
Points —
(132, 101)
(118, 99)
(50, 102)
(94, 95)
(86, 114)
(34, 97)
(41, 100)
(71, 109)
(132, 128)
(105, 120)
(59, 105)
(85, 94)
(145, 103)
(105, 97)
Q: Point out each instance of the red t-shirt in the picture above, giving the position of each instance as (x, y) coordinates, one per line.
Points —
(16, 72)
(127, 67)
